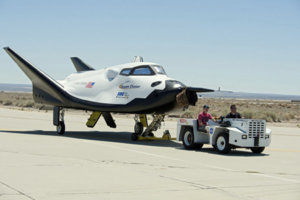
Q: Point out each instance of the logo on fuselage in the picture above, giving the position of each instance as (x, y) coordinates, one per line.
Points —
(90, 84)
(122, 95)
(128, 85)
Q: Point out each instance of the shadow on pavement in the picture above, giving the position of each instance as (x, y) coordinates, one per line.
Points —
(242, 152)
(125, 137)
(120, 137)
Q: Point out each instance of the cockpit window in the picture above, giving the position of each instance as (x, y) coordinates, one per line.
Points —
(143, 70)
(159, 69)
(125, 72)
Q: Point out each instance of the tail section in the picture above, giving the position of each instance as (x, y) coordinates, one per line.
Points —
(80, 65)
(45, 89)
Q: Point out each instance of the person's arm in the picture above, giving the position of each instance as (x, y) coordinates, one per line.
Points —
(211, 117)
(200, 120)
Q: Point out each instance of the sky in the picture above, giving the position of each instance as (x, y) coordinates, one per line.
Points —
(237, 45)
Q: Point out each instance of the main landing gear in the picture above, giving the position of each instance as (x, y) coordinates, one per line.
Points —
(58, 120)
(141, 123)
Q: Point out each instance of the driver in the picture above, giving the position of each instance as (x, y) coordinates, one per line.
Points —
(203, 118)
(233, 113)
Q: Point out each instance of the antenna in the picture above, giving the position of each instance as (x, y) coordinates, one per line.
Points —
(138, 59)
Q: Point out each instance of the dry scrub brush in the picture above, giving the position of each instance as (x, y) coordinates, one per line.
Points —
(271, 111)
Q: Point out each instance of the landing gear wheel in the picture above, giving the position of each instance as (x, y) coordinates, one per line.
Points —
(150, 134)
(222, 143)
(188, 139)
(138, 128)
(167, 135)
(60, 129)
(134, 137)
(257, 150)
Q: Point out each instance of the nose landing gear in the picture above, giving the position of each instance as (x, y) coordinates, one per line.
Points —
(141, 122)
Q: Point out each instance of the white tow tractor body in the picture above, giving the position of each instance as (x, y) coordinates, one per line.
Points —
(223, 136)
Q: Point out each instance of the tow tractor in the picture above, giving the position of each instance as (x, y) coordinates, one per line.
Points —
(225, 135)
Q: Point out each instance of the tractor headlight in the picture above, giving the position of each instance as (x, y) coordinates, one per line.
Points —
(244, 137)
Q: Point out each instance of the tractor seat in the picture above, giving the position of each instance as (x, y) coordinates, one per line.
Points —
(200, 128)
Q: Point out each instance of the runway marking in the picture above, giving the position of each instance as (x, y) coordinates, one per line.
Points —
(16, 190)
(204, 165)
(158, 156)
(286, 135)
(284, 150)
(135, 151)
(276, 177)
(268, 149)
(180, 160)
(26, 118)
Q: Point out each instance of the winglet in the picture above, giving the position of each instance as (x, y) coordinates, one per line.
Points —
(80, 65)
(41, 81)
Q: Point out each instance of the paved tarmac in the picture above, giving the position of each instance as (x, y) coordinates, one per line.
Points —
(103, 163)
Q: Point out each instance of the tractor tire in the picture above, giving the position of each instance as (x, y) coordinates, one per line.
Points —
(257, 150)
(188, 139)
(222, 143)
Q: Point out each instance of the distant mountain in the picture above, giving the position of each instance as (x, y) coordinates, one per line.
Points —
(244, 95)
(6, 87)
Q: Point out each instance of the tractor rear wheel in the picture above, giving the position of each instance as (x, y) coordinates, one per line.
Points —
(188, 138)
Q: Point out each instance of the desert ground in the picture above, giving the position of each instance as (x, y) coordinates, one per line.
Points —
(103, 163)
(270, 110)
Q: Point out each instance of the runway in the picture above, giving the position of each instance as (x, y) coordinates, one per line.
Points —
(103, 163)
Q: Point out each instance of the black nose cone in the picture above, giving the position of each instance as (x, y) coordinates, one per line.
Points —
(174, 85)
